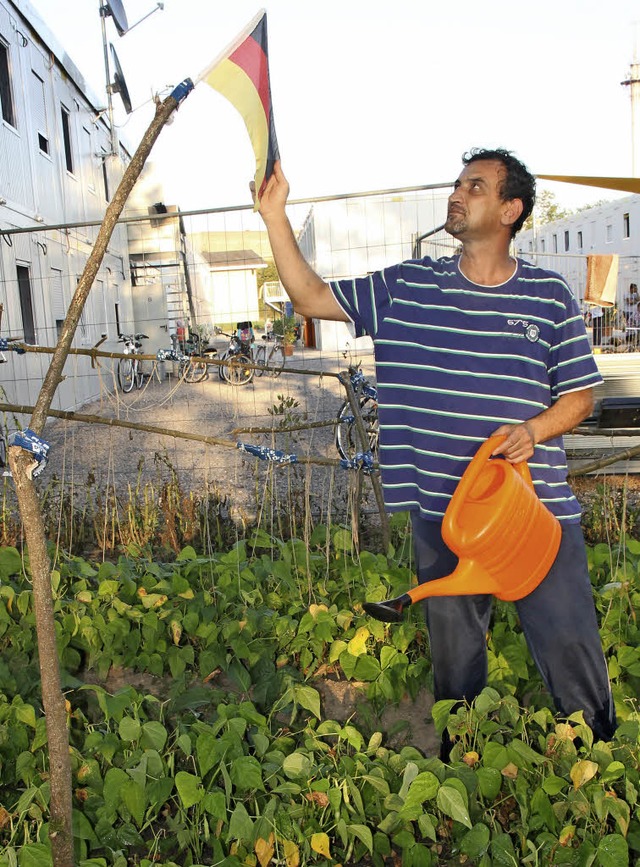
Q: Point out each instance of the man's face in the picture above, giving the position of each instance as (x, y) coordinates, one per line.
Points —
(475, 208)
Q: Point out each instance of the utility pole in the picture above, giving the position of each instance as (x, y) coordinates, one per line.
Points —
(633, 83)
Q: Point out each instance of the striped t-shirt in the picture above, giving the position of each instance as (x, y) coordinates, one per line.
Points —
(454, 361)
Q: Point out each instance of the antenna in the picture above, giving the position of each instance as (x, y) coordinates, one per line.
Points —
(115, 10)
(119, 84)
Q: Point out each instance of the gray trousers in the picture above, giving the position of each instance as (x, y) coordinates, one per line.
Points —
(558, 620)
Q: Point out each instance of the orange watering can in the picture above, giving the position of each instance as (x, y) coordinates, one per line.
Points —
(505, 539)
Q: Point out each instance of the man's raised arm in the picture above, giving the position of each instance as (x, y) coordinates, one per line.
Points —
(311, 296)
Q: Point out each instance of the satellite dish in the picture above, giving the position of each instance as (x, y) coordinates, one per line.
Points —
(119, 84)
(116, 10)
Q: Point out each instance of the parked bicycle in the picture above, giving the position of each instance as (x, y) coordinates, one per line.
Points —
(130, 371)
(238, 357)
(270, 355)
(192, 364)
(348, 441)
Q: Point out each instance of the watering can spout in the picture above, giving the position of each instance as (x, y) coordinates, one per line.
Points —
(504, 537)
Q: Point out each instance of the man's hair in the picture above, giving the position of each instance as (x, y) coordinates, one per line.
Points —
(518, 184)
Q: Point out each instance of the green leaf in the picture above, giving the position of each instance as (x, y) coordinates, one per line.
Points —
(10, 563)
(114, 780)
(423, 788)
(246, 774)
(495, 756)
(367, 669)
(342, 540)
(135, 800)
(215, 804)
(502, 852)
(476, 842)
(207, 751)
(154, 736)
(489, 782)
(451, 803)
(240, 824)
(553, 785)
(363, 834)
(129, 729)
(82, 829)
(308, 698)
(35, 855)
(189, 789)
(613, 851)
(440, 714)
(296, 765)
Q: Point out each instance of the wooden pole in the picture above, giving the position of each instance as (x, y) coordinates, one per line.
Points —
(60, 825)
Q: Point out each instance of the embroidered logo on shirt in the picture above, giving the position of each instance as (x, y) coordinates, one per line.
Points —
(531, 330)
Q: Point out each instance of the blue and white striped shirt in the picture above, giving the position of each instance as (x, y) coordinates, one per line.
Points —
(454, 361)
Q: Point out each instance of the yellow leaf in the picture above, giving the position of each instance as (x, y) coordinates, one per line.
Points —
(471, 758)
(510, 771)
(358, 644)
(314, 609)
(264, 849)
(320, 844)
(176, 631)
(566, 835)
(291, 853)
(565, 732)
(582, 772)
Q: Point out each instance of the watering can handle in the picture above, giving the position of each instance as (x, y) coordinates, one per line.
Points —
(477, 463)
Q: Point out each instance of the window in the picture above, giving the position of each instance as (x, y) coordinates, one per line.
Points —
(609, 233)
(566, 240)
(117, 312)
(6, 98)
(26, 304)
(66, 137)
(58, 306)
(580, 240)
(555, 243)
(40, 112)
(626, 226)
(91, 182)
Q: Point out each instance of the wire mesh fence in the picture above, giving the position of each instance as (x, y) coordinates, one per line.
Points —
(182, 461)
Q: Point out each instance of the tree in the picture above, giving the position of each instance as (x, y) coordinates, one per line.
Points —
(546, 210)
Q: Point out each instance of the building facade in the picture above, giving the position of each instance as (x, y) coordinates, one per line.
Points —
(57, 168)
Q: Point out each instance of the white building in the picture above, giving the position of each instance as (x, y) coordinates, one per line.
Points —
(57, 168)
(564, 245)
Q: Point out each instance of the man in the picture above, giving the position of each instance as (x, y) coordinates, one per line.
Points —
(467, 347)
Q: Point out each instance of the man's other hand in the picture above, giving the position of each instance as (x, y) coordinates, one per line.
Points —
(274, 197)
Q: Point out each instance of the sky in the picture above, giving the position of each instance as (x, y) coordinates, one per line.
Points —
(375, 95)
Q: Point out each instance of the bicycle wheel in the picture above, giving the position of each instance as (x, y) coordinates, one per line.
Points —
(224, 357)
(138, 375)
(260, 358)
(347, 440)
(125, 374)
(195, 371)
(275, 362)
(237, 370)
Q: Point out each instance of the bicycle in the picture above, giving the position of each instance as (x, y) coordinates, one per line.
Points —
(130, 369)
(347, 439)
(237, 359)
(192, 364)
(271, 358)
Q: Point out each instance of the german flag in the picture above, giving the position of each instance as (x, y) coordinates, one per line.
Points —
(241, 74)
